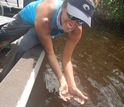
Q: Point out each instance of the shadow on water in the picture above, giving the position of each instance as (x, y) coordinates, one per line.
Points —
(98, 62)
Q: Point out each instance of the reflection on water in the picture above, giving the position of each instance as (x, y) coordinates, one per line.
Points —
(98, 62)
(51, 81)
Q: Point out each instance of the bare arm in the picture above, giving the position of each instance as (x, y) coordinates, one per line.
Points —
(73, 39)
(43, 30)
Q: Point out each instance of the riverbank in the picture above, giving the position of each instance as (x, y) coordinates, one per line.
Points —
(108, 26)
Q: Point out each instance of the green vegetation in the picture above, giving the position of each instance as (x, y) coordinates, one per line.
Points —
(111, 11)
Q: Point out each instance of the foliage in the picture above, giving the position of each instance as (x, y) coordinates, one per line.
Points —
(111, 10)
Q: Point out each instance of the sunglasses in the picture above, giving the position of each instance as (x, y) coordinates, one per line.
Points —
(80, 22)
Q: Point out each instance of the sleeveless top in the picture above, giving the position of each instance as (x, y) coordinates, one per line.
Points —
(28, 14)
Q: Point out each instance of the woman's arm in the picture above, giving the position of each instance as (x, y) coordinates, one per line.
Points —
(73, 39)
(43, 29)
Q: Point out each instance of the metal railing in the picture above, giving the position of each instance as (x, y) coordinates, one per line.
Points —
(1, 9)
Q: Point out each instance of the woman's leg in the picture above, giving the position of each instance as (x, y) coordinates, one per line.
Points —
(19, 47)
(26, 42)
(13, 30)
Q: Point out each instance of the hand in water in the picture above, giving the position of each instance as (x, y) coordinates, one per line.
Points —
(77, 95)
(74, 93)
(63, 91)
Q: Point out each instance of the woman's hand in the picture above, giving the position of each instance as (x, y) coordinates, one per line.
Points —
(72, 92)
(63, 90)
(77, 95)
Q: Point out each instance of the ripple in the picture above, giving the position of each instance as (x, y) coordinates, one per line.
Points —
(107, 96)
(51, 81)
(119, 73)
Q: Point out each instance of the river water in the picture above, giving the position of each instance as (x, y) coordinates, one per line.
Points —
(98, 62)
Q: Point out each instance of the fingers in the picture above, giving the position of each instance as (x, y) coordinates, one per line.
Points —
(83, 96)
(64, 95)
(78, 96)
(80, 101)
(75, 94)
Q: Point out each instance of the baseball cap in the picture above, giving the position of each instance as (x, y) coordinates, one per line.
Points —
(81, 9)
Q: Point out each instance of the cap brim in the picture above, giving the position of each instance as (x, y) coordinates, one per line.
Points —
(78, 14)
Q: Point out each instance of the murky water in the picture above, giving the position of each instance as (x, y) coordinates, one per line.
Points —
(98, 62)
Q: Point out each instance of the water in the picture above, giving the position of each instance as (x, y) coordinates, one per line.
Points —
(98, 62)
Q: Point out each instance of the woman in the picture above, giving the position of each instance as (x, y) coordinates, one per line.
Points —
(46, 19)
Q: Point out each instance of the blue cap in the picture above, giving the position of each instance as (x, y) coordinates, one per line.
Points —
(81, 9)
